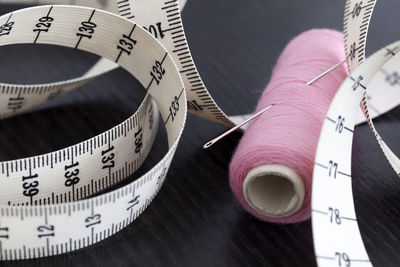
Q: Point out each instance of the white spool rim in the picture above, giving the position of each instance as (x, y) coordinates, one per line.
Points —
(274, 190)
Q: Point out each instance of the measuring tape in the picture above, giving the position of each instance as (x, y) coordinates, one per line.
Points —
(163, 20)
(93, 165)
(42, 212)
(50, 187)
(337, 238)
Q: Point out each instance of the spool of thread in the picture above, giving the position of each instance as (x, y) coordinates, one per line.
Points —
(271, 170)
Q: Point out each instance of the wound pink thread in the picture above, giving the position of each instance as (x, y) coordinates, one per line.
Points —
(288, 133)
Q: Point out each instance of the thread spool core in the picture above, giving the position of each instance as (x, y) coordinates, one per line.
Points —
(274, 190)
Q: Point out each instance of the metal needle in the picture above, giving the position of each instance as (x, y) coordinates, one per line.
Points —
(212, 142)
(326, 72)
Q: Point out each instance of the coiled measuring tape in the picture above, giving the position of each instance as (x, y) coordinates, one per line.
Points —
(370, 81)
(91, 166)
(160, 18)
(43, 194)
(54, 183)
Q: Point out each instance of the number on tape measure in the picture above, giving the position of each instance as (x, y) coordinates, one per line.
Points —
(157, 72)
(6, 28)
(43, 25)
(357, 9)
(126, 44)
(71, 174)
(92, 220)
(337, 198)
(95, 164)
(139, 140)
(156, 30)
(45, 231)
(333, 166)
(335, 215)
(30, 186)
(163, 22)
(343, 259)
(132, 203)
(174, 108)
(102, 161)
(108, 158)
(340, 124)
(87, 29)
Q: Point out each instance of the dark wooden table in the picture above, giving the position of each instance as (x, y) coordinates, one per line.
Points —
(195, 220)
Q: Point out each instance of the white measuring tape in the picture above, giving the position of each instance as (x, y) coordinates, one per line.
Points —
(337, 239)
(163, 20)
(57, 181)
(91, 166)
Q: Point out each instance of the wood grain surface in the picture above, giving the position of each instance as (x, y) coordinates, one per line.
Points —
(195, 220)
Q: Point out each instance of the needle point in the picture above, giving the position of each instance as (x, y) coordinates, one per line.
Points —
(326, 72)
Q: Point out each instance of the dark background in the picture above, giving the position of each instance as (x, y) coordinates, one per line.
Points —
(195, 220)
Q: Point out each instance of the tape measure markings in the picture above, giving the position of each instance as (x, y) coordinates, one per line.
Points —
(52, 89)
(332, 197)
(101, 216)
(355, 28)
(199, 100)
(173, 38)
(124, 9)
(332, 219)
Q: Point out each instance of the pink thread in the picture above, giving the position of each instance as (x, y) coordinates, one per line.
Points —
(288, 133)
